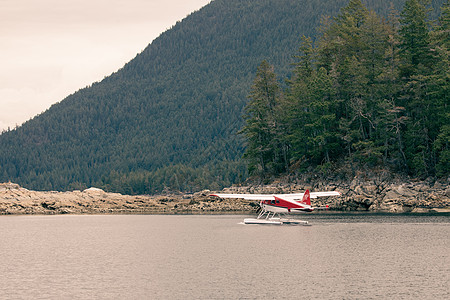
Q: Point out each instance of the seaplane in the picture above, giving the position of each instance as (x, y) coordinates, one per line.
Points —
(275, 207)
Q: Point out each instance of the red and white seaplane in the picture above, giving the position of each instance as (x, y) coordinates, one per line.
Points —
(273, 206)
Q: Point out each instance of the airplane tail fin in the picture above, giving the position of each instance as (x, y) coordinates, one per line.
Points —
(306, 198)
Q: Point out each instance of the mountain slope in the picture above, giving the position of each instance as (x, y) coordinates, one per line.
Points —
(168, 118)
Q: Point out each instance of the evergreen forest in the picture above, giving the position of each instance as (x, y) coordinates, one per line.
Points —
(289, 84)
(369, 92)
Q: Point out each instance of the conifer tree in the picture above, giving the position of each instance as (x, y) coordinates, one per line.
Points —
(312, 118)
(321, 129)
(298, 96)
(441, 90)
(392, 115)
(261, 129)
(341, 50)
(417, 64)
(414, 38)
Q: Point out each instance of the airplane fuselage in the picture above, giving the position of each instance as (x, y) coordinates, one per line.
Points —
(285, 206)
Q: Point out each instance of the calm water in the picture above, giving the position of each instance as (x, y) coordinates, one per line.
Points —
(214, 257)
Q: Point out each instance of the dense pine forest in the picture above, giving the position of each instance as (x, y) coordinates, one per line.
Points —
(368, 87)
(369, 92)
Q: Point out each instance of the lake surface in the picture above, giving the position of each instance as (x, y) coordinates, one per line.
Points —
(341, 256)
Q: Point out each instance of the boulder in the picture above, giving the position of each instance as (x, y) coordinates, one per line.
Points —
(405, 191)
(93, 190)
(9, 186)
(390, 195)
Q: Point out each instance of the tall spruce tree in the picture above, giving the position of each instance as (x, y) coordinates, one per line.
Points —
(414, 38)
(345, 52)
(392, 114)
(313, 125)
(298, 98)
(264, 144)
(441, 90)
(417, 65)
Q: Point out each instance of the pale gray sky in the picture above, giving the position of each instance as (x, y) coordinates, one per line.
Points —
(52, 48)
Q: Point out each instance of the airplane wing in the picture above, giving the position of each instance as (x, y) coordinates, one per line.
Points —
(296, 196)
(246, 196)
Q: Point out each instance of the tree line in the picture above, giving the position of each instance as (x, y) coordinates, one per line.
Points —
(369, 91)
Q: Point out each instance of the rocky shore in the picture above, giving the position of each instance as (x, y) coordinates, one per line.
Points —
(362, 194)
(357, 195)
(18, 200)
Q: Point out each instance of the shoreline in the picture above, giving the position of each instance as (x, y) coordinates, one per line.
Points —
(431, 212)
(15, 200)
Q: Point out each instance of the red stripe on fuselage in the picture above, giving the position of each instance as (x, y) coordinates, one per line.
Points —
(290, 205)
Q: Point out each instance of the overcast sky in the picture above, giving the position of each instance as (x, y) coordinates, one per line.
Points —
(52, 48)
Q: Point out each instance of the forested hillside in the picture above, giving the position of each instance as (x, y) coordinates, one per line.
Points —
(371, 93)
(168, 119)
